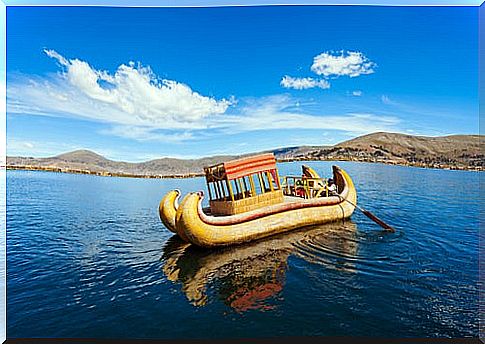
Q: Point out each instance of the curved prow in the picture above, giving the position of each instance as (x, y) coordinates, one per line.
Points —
(309, 172)
(168, 209)
(343, 180)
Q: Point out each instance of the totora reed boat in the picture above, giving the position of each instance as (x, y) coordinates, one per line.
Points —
(248, 201)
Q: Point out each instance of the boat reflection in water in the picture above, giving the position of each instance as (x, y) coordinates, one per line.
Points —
(251, 276)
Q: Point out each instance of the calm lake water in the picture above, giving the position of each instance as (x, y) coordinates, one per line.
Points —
(88, 256)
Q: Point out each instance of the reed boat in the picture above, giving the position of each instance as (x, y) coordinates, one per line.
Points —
(248, 200)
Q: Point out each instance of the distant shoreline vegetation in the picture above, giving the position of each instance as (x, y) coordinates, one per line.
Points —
(103, 173)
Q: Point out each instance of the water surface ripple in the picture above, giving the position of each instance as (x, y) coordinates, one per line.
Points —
(88, 256)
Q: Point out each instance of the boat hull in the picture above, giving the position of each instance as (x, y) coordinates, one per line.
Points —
(196, 227)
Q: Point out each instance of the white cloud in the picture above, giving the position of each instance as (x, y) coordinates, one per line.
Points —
(277, 113)
(133, 96)
(303, 83)
(54, 54)
(344, 63)
(135, 104)
(332, 65)
(357, 93)
(147, 134)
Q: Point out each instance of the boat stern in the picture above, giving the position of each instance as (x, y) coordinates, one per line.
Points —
(343, 181)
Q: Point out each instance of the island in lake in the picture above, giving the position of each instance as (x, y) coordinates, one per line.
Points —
(457, 152)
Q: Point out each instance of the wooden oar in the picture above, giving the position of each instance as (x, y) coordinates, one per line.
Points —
(371, 216)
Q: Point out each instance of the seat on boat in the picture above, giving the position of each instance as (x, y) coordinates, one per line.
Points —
(309, 185)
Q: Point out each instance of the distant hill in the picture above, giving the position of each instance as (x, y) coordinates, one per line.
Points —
(292, 152)
(85, 160)
(457, 151)
(444, 151)
(452, 147)
(81, 157)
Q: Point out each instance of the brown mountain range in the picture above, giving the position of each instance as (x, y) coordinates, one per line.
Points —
(454, 152)
(460, 151)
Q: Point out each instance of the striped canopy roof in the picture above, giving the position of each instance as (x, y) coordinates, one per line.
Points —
(245, 166)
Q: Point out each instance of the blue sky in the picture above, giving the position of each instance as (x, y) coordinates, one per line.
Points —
(141, 83)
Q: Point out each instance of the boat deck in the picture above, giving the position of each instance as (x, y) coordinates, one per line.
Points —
(286, 199)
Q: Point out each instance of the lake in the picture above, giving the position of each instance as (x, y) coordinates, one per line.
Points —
(87, 256)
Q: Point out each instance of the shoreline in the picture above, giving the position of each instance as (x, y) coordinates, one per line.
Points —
(196, 175)
(435, 166)
(102, 173)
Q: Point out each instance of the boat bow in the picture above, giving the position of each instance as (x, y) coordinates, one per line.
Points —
(167, 209)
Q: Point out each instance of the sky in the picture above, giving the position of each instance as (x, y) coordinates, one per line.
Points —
(135, 84)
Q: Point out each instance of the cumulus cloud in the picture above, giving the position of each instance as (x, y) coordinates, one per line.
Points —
(357, 93)
(135, 104)
(133, 95)
(303, 83)
(343, 63)
(332, 65)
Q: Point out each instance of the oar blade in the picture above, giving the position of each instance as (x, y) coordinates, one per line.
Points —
(378, 220)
